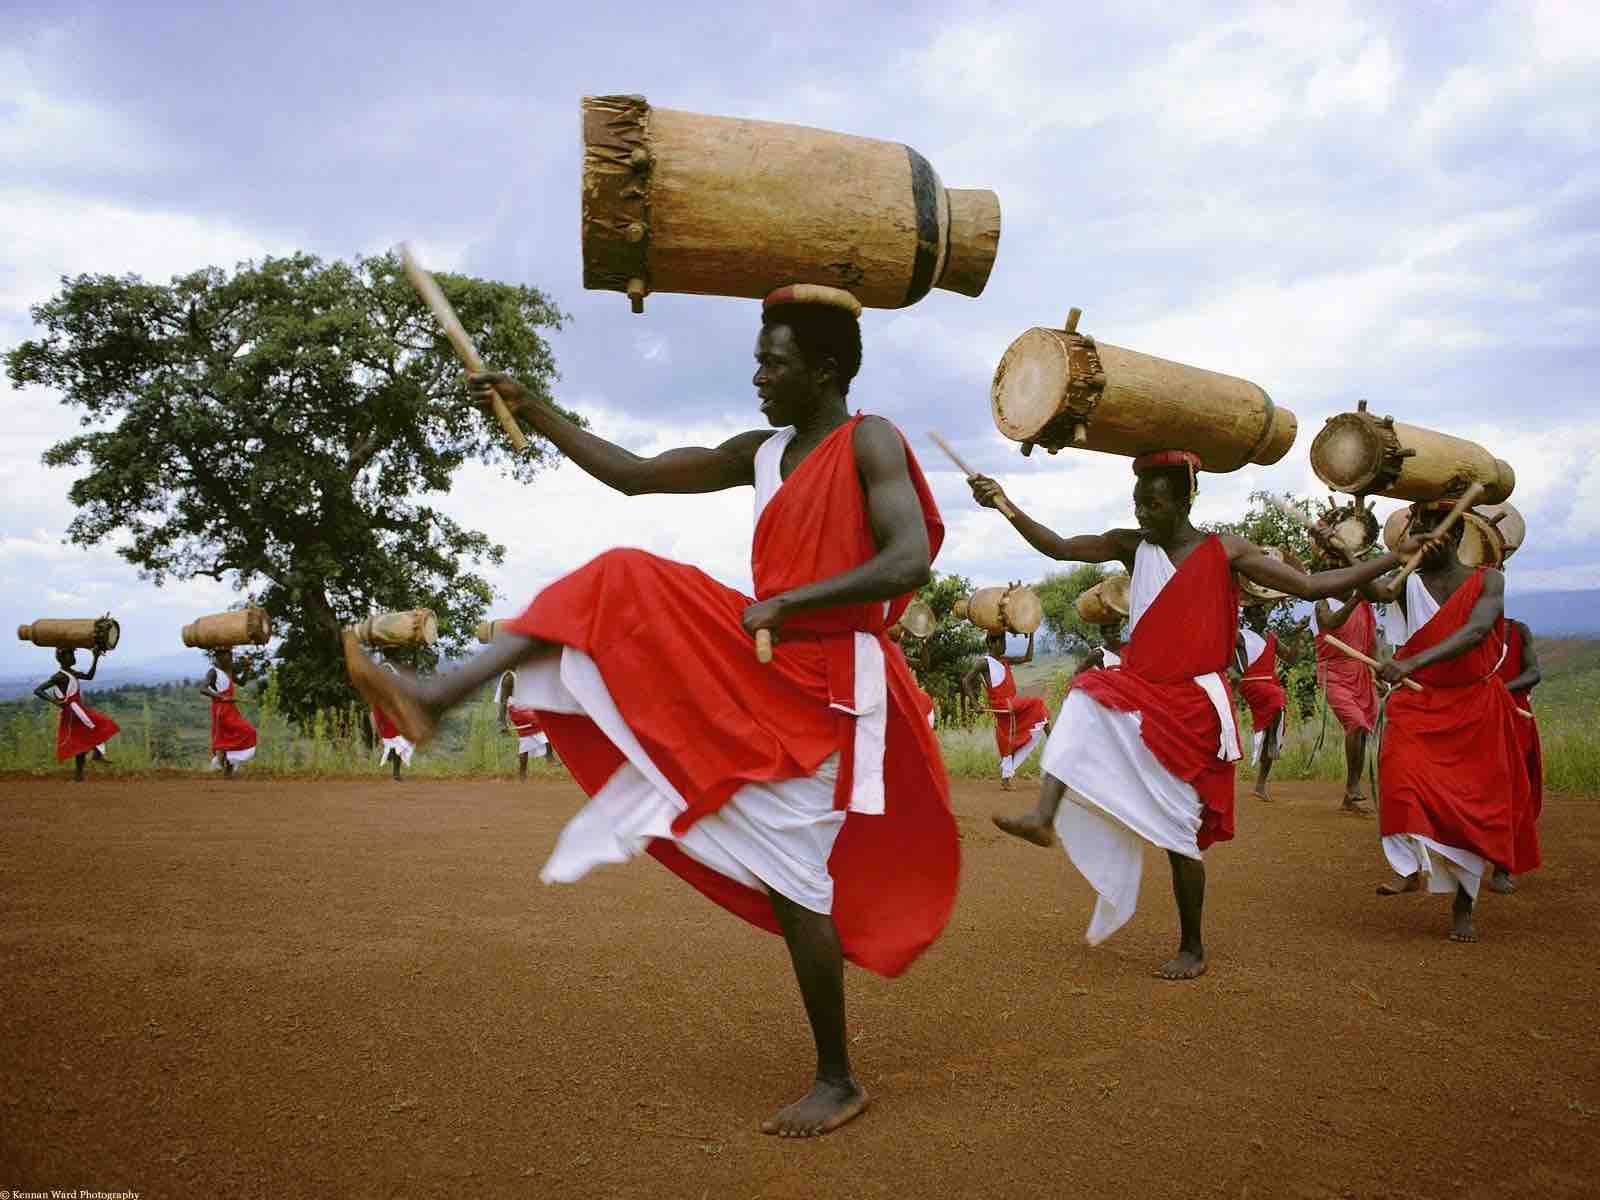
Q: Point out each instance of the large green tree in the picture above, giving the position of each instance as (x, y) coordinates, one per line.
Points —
(281, 426)
(1058, 593)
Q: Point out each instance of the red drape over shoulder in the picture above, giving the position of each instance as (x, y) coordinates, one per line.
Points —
(1450, 768)
(668, 642)
(1352, 695)
(229, 729)
(1528, 743)
(1188, 630)
(74, 736)
(1261, 689)
(1014, 716)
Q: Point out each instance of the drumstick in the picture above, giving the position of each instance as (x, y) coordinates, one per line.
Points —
(1360, 657)
(1000, 503)
(763, 645)
(1295, 514)
(1454, 515)
(428, 288)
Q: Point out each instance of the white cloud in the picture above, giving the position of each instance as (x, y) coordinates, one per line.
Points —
(40, 131)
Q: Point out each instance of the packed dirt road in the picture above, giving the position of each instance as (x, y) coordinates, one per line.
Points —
(300, 989)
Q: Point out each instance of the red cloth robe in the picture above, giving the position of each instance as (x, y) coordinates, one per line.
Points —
(1189, 629)
(1261, 689)
(682, 671)
(1014, 716)
(1352, 695)
(385, 726)
(524, 720)
(73, 737)
(1450, 768)
(229, 730)
(1529, 745)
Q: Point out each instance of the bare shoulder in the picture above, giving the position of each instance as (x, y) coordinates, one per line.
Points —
(1237, 547)
(744, 445)
(880, 449)
(1494, 583)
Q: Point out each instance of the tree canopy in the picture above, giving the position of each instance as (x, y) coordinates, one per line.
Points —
(281, 425)
(1058, 593)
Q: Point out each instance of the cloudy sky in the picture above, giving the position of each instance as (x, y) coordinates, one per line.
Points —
(1395, 202)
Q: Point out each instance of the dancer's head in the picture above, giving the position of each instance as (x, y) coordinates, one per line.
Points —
(1164, 493)
(808, 350)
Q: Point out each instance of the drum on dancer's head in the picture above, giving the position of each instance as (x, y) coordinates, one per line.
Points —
(1251, 592)
(1364, 455)
(685, 202)
(1352, 526)
(487, 631)
(1058, 388)
(393, 631)
(1106, 603)
(918, 619)
(1009, 609)
(1508, 522)
(239, 627)
(1481, 543)
(76, 633)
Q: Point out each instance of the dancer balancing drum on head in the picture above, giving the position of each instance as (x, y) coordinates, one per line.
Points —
(393, 746)
(806, 794)
(1257, 659)
(82, 731)
(1453, 791)
(233, 739)
(1347, 684)
(521, 720)
(1145, 752)
(1021, 723)
(1520, 672)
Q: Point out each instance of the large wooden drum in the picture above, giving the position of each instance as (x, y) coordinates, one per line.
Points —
(1481, 542)
(487, 631)
(1365, 455)
(1251, 592)
(1011, 609)
(240, 627)
(1058, 388)
(1508, 521)
(684, 202)
(1106, 603)
(415, 627)
(77, 633)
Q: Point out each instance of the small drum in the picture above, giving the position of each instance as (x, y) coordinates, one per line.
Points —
(1106, 603)
(77, 633)
(918, 619)
(1508, 521)
(1012, 609)
(1352, 526)
(416, 627)
(240, 627)
(1251, 592)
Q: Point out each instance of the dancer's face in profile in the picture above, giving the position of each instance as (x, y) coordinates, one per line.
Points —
(786, 383)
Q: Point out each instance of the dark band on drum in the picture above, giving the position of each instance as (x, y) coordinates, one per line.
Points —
(925, 194)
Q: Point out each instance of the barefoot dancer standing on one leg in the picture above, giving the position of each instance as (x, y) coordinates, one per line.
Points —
(1020, 724)
(1521, 673)
(82, 730)
(807, 794)
(1452, 789)
(1145, 751)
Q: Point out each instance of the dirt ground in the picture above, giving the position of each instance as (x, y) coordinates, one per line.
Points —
(287, 989)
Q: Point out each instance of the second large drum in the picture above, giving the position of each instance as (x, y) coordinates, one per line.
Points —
(719, 206)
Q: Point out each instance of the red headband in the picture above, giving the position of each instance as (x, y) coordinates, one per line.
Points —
(1171, 458)
(814, 293)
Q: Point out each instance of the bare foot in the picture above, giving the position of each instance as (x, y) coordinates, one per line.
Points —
(1411, 883)
(1005, 784)
(1262, 796)
(394, 693)
(1185, 965)
(1029, 828)
(1462, 929)
(1501, 882)
(823, 1109)
(1355, 805)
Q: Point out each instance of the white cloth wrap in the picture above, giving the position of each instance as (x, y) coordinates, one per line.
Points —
(236, 758)
(400, 744)
(1009, 763)
(1119, 796)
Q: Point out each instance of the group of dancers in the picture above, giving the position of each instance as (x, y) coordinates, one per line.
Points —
(806, 794)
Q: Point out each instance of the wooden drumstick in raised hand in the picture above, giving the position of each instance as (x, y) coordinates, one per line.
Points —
(1352, 652)
(428, 288)
(1311, 527)
(1443, 527)
(938, 441)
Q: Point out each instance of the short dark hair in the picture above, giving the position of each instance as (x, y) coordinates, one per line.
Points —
(1178, 480)
(821, 331)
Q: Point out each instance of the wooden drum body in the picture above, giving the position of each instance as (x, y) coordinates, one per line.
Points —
(1057, 388)
(1365, 455)
(415, 627)
(487, 631)
(684, 202)
(1508, 521)
(1481, 542)
(240, 627)
(1106, 603)
(1012, 609)
(918, 620)
(77, 633)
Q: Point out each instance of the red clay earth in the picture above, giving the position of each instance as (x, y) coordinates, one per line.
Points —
(303, 989)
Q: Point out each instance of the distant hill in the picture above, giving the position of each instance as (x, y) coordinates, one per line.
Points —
(169, 668)
(1557, 614)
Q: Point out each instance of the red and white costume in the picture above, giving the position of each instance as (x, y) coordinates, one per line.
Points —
(524, 719)
(1262, 690)
(815, 775)
(1452, 790)
(389, 736)
(1348, 685)
(1147, 748)
(1019, 722)
(230, 732)
(81, 728)
(1527, 834)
